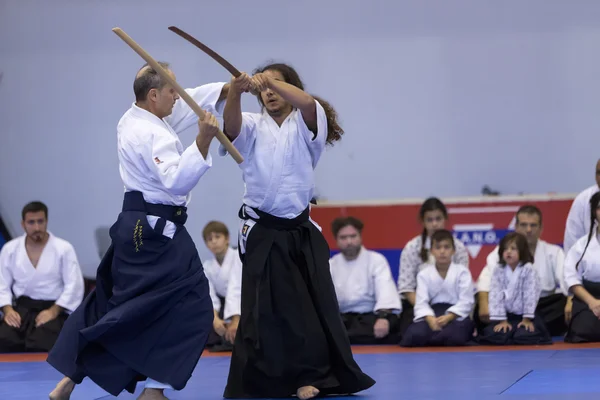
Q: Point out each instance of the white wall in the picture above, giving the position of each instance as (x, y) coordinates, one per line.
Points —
(436, 98)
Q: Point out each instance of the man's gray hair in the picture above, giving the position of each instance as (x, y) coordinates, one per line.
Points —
(148, 79)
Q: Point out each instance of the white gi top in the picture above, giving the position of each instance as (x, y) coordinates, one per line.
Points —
(411, 263)
(57, 276)
(589, 267)
(579, 218)
(455, 289)
(548, 261)
(152, 159)
(222, 282)
(279, 162)
(364, 285)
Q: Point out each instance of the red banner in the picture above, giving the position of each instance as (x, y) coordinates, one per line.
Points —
(479, 223)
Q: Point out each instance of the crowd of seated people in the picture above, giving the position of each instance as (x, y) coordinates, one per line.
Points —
(528, 292)
(434, 302)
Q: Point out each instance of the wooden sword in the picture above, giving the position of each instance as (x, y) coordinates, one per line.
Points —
(182, 93)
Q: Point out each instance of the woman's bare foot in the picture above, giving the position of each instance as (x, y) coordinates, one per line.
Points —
(63, 389)
(152, 394)
(307, 392)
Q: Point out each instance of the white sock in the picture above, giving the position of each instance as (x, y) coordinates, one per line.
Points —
(152, 384)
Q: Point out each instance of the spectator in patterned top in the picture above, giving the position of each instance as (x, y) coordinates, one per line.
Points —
(554, 307)
(433, 216)
(514, 294)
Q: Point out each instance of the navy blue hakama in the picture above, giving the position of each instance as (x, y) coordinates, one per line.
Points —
(517, 335)
(456, 333)
(150, 314)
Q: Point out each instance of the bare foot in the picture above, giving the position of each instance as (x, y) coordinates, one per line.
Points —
(307, 392)
(63, 389)
(152, 394)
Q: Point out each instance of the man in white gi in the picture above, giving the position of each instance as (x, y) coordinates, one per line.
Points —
(554, 307)
(579, 219)
(150, 314)
(43, 273)
(366, 292)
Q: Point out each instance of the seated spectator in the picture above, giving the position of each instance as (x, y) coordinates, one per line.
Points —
(582, 276)
(40, 284)
(364, 286)
(513, 298)
(578, 220)
(444, 300)
(224, 273)
(554, 307)
(415, 255)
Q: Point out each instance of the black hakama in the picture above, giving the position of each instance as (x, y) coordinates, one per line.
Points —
(290, 333)
(360, 328)
(406, 317)
(516, 336)
(584, 326)
(150, 314)
(28, 337)
(551, 309)
(456, 333)
(479, 324)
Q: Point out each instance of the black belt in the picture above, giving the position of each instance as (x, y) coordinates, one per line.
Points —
(134, 201)
(272, 222)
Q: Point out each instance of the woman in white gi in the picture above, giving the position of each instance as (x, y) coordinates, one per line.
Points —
(290, 340)
(433, 216)
(444, 299)
(582, 276)
(513, 298)
(578, 220)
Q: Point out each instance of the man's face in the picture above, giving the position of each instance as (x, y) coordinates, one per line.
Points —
(530, 226)
(165, 98)
(35, 224)
(349, 241)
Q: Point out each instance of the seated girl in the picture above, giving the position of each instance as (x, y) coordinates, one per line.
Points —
(513, 297)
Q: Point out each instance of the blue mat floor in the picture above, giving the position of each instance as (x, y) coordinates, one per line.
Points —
(525, 374)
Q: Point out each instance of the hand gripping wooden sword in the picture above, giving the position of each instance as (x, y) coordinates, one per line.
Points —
(182, 93)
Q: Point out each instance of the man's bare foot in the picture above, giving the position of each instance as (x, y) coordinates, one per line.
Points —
(307, 392)
(152, 394)
(63, 389)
